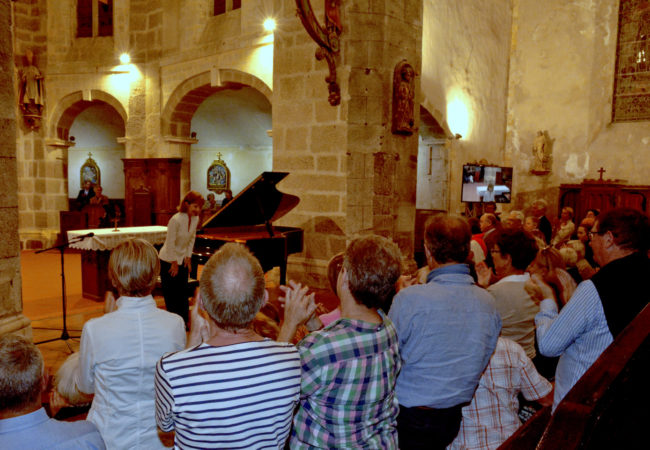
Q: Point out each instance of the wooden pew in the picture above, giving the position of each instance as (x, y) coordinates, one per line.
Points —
(607, 408)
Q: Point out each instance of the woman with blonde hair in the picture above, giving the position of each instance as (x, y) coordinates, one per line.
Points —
(176, 254)
(119, 350)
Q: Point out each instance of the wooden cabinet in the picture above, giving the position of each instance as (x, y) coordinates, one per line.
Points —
(603, 195)
(161, 178)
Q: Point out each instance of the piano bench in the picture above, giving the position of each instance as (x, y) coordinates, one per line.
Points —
(192, 284)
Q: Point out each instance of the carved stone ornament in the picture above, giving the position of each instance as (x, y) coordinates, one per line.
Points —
(327, 38)
(403, 99)
(30, 98)
(218, 176)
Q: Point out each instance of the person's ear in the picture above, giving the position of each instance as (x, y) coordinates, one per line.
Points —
(266, 296)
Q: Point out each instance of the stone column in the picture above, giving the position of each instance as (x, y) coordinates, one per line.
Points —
(352, 174)
(11, 318)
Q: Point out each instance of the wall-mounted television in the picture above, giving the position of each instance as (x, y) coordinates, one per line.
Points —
(483, 183)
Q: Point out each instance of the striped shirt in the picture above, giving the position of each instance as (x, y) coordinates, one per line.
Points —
(235, 396)
(579, 333)
(347, 398)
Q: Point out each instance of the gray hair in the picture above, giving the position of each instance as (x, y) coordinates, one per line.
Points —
(21, 373)
(232, 287)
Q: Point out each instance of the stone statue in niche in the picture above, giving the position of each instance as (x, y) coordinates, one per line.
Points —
(542, 153)
(31, 92)
(403, 99)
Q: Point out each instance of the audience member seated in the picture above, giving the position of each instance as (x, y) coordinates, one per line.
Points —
(209, 208)
(491, 417)
(582, 234)
(549, 265)
(570, 258)
(66, 399)
(531, 225)
(512, 253)
(227, 198)
(24, 424)
(538, 209)
(85, 194)
(119, 350)
(446, 327)
(585, 269)
(515, 220)
(564, 229)
(349, 368)
(240, 389)
(602, 306)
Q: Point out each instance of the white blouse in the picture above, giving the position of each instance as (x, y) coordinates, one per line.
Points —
(181, 232)
(118, 357)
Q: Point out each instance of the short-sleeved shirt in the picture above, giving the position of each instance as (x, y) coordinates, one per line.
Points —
(347, 397)
(491, 417)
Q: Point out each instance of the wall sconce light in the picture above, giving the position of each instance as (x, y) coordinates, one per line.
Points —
(269, 24)
(125, 58)
(193, 135)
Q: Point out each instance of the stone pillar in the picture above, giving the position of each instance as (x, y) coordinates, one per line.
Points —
(352, 174)
(11, 318)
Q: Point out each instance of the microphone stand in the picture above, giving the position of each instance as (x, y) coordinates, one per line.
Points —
(65, 336)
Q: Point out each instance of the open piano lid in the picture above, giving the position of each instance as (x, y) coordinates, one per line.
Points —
(259, 203)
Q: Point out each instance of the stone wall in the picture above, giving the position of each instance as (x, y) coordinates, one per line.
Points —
(353, 175)
(561, 80)
(11, 317)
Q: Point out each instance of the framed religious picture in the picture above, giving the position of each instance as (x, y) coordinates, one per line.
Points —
(218, 176)
(90, 172)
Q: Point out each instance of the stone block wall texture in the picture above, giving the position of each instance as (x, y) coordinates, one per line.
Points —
(11, 318)
(353, 175)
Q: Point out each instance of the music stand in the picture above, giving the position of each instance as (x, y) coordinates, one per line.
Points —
(65, 336)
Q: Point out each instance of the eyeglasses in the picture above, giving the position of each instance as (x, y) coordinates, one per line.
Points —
(591, 234)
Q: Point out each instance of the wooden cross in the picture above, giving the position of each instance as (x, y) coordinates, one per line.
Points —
(115, 221)
(219, 156)
(601, 171)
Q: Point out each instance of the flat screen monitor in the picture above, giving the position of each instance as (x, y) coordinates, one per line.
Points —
(486, 183)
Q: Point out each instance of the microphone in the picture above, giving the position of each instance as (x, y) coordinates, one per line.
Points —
(84, 236)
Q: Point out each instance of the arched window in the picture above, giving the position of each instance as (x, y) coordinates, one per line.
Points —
(222, 6)
(94, 18)
(632, 77)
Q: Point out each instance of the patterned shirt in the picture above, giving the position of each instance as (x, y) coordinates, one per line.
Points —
(491, 417)
(235, 396)
(347, 397)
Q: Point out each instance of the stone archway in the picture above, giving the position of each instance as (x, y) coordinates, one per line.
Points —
(177, 115)
(69, 107)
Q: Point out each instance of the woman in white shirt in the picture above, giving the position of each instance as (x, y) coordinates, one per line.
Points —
(119, 351)
(176, 254)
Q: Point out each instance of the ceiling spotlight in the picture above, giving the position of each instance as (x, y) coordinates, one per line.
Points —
(125, 58)
(269, 24)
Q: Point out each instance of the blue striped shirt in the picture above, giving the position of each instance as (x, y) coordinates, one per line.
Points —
(578, 334)
(235, 396)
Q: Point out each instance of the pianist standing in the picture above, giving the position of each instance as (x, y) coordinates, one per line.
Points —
(176, 254)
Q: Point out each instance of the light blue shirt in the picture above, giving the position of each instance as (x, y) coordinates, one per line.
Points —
(579, 333)
(37, 431)
(447, 331)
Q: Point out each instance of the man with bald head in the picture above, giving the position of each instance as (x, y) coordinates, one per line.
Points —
(447, 330)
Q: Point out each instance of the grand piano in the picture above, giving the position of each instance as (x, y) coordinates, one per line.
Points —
(248, 219)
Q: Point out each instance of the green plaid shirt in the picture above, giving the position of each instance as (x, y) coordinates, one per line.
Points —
(347, 397)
